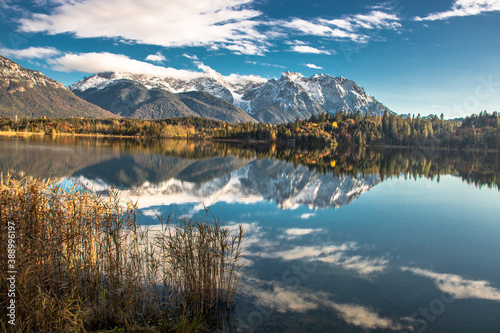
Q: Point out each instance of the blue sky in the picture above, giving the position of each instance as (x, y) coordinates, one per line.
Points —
(414, 56)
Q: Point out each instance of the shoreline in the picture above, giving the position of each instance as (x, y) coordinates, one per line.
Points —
(27, 134)
(243, 141)
(475, 150)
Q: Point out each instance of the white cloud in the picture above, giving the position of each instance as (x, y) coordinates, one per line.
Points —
(308, 49)
(157, 57)
(264, 64)
(189, 56)
(246, 47)
(306, 216)
(205, 68)
(109, 62)
(32, 52)
(341, 23)
(294, 42)
(376, 20)
(316, 28)
(231, 78)
(8, 7)
(355, 28)
(349, 27)
(313, 66)
(457, 286)
(174, 23)
(464, 8)
(217, 24)
(236, 78)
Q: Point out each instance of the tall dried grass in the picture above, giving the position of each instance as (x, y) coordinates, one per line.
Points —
(84, 264)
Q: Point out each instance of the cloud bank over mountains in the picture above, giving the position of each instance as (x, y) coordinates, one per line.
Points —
(222, 24)
(231, 25)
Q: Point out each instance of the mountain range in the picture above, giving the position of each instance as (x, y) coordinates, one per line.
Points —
(129, 98)
(29, 93)
(270, 101)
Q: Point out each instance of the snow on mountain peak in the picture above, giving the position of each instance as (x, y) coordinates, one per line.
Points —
(292, 75)
(243, 79)
(209, 72)
(295, 94)
(320, 75)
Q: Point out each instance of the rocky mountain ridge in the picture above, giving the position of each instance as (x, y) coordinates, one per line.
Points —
(29, 93)
(130, 96)
(296, 95)
(270, 101)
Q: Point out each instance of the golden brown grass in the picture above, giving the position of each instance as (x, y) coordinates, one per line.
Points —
(13, 133)
(84, 264)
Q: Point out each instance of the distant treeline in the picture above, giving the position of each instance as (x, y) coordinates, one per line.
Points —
(479, 131)
(341, 129)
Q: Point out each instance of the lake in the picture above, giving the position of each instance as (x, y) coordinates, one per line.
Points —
(357, 241)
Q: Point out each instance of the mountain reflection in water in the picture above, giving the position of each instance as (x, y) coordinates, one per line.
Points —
(337, 241)
(135, 164)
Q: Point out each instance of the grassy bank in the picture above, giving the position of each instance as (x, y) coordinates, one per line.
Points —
(95, 135)
(184, 127)
(83, 264)
(12, 133)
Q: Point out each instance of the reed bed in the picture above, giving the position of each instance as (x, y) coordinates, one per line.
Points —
(84, 264)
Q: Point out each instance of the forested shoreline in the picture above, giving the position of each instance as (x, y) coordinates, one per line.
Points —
(340, 129)
(478, 131)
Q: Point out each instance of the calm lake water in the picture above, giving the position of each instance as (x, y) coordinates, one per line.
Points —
(376, 241)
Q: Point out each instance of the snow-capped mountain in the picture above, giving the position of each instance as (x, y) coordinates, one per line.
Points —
(271, 101)
(296, 95)
(229, 88)
(259, 180)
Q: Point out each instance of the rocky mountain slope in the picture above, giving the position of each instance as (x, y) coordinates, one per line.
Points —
(270, 101)
(28, 93)
(137, 98)
(296, 95)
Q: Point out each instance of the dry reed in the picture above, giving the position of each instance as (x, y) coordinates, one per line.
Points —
(84, 264)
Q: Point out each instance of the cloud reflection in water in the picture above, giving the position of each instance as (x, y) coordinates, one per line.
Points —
(457, 286)
(284, 299)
